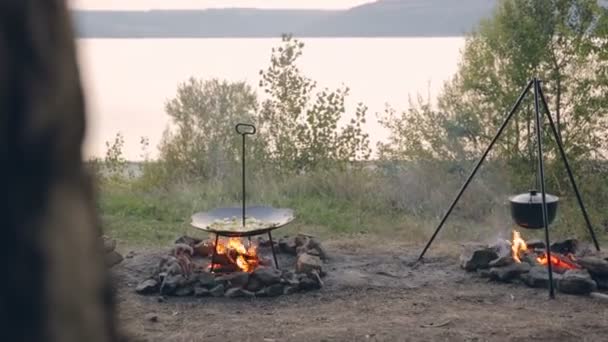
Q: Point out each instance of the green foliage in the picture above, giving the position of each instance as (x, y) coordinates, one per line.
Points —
(114, 163)
(202, 141)
(563, 42)
(301, 124)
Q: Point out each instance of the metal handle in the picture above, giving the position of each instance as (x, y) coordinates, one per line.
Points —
(239, 127)
(244, 129)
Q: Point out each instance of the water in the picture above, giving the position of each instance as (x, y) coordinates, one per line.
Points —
(127, 82)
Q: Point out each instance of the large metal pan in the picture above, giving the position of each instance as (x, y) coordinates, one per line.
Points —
(274, 217)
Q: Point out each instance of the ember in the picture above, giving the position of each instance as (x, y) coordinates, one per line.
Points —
(558, 261)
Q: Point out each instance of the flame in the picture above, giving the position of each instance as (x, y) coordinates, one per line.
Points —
(518, 245)
(246, 258)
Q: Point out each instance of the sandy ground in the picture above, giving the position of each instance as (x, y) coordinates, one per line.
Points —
(373, 292)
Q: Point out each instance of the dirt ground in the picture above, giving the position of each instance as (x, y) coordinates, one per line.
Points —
(373, 292)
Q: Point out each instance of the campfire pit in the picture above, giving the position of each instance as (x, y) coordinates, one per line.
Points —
(575, 270)
(185, 270)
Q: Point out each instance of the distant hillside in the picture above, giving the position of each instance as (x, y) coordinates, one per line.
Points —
(385, 18)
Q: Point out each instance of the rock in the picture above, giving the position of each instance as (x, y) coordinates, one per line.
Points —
(477, 256)
(171, 283)
(289, 278)
(484, 272)
(201, 291)
(274, 290)
(263, 242)
(502, 261)
(113, 258)
(168, 265)
(538, 277)
(596, 266)
(130, 255)
(267, 275)
(308, 282)
(108, 243)
(287, 245)
(180, 249)
(535, 244)
(290, 290)
(509, 272)
(235, 279)
(576, 282)
(317, 278)
(187, 240)
(313, 252)
(147, 286)
(161, 299)
(254, 284)
(307, 263)
(203, 249)
(301, 240)
(151, 317)
(602, 282)
(217, 291)
(184, 291)
(568, 246)
(311, 246)
(205, 279)
(501, 247)
(238, 292)
(315, 245)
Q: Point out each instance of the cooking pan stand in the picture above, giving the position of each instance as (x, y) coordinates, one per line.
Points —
(538, 97)
(243, 130)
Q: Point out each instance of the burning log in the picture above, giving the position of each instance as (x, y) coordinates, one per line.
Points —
(560, 263)
(246, 259)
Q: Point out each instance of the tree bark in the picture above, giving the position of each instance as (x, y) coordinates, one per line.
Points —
(55, 285)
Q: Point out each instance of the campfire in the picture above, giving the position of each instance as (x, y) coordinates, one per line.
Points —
(237, 267)
(576, 269)
(232, 255)
(559, 262)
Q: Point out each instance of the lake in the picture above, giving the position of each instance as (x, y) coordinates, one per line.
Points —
(128, 81)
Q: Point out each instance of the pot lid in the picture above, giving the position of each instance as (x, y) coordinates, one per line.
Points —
(533, 196)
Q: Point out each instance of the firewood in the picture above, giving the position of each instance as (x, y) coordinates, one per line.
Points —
(599, 295)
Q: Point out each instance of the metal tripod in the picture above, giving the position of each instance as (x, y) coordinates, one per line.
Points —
(538, 97)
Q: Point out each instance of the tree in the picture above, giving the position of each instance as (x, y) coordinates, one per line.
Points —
(563, 42)
(202, 140)
(301, 124)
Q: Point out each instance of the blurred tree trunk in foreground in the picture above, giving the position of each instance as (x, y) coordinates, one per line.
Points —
(55, 286)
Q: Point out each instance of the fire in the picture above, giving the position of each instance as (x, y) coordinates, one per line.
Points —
(518, 245)
(235, 252)
(558, 261)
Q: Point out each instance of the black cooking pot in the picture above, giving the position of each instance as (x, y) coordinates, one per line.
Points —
(526, 209)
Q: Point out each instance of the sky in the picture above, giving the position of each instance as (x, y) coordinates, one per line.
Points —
(200, 4)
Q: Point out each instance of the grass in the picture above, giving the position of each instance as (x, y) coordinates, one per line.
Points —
(330, 204)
